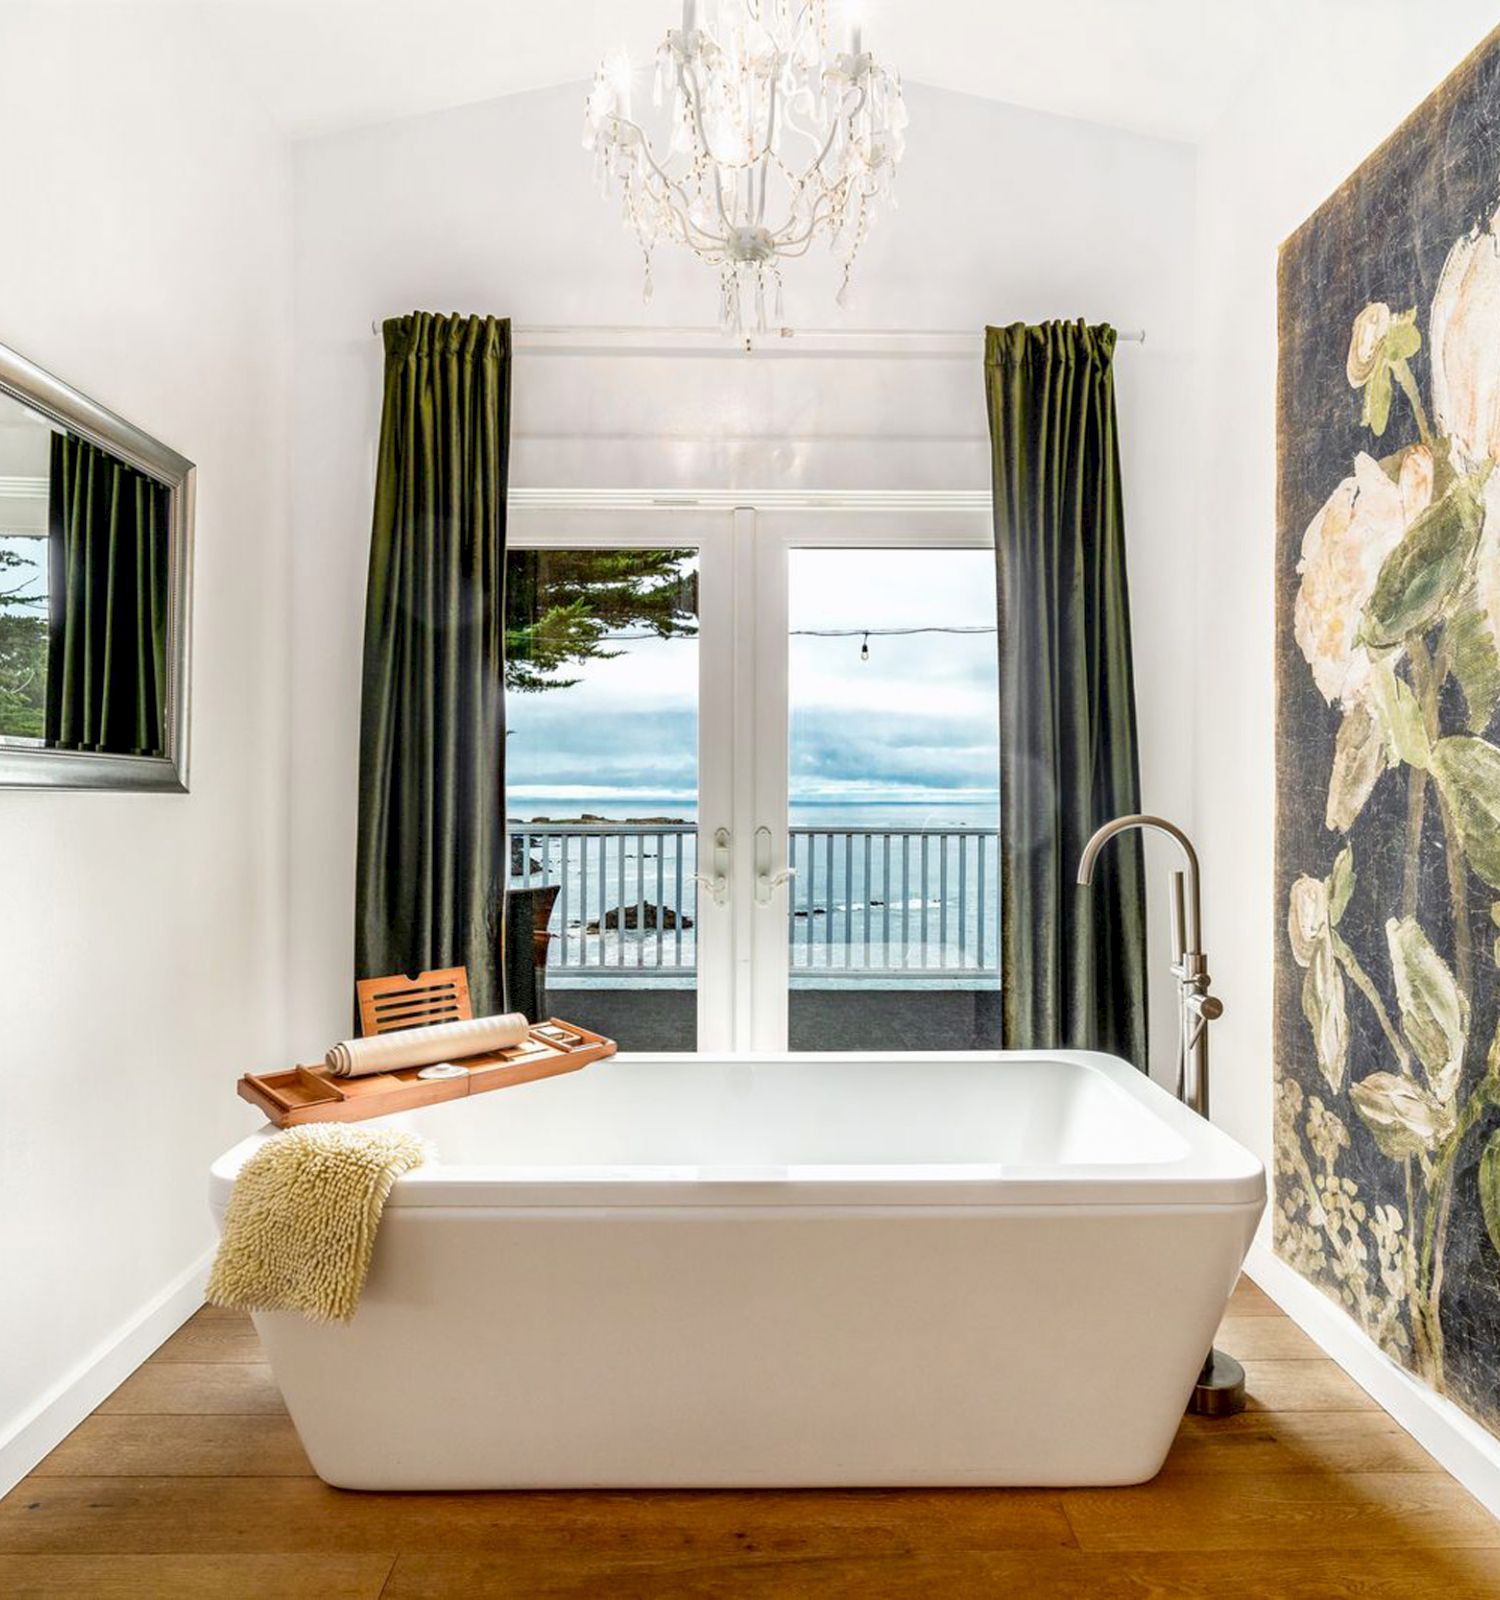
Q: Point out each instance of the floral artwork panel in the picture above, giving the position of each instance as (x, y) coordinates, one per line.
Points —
(1387, 1159)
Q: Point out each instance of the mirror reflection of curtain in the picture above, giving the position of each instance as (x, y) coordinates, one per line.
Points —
(1073, 967)
(431, 864)
(107, 603)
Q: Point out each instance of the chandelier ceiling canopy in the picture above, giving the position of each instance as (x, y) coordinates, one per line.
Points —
(774, 136)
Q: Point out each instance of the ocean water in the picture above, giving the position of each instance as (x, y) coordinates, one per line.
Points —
(917, 897)
(980, 812)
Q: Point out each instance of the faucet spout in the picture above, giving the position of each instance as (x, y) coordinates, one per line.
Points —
(1187, 930)
(1196, 1007)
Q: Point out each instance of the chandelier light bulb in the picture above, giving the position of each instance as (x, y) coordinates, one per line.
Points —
(771, 142)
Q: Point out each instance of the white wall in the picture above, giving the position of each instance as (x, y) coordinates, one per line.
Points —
(146, 261)
(1005, 214)
(1330, 94)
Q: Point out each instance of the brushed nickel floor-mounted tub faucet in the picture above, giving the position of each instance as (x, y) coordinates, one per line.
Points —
(1220, 1390)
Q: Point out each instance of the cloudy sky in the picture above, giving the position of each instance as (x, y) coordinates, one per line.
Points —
(914, 725)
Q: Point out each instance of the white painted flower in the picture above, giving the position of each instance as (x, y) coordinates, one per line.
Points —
(1465, 349)
(1343, 549)
(1418, 470)
(1307, 917)
(1366, 342)
(1403, 1117)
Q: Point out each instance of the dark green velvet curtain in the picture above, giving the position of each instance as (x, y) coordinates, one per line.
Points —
(431, 866)
(109, 535)
(1073, 959)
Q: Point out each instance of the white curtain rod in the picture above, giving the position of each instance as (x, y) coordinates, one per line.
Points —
(928, 343)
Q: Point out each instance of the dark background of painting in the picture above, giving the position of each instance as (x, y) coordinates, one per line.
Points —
(1383, 236)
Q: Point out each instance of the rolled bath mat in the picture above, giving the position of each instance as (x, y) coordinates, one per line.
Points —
(419, 1047)
(300, 1226)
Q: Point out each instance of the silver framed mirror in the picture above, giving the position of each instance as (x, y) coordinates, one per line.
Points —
(96, 558)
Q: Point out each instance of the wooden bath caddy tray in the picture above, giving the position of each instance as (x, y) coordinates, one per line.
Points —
(313, 1094)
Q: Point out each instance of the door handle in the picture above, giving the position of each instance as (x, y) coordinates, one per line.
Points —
(766, 881)
(716, 883)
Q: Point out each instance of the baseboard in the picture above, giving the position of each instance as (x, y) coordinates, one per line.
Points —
(1450, 1436)
(54, 1416)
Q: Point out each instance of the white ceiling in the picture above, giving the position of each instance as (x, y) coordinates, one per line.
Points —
(1157, 66)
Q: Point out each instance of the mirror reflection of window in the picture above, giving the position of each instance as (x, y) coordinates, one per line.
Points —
(84, 593)
(25, 467)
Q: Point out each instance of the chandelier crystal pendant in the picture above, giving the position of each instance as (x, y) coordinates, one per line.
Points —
(773, 141)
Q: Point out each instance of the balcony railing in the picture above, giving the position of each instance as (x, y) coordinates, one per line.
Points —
(899, 904)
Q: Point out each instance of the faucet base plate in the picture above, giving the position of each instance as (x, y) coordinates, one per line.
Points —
(1220, 1389)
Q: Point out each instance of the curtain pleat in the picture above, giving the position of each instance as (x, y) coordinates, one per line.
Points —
(1073, 968)
(431, 851)
(109, 527)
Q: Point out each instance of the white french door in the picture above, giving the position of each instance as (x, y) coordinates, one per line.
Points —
(745, 917)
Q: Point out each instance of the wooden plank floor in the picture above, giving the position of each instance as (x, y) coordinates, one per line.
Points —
(189, 1482)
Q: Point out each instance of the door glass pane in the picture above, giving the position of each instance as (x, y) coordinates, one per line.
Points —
(893, 915)
(602, 783)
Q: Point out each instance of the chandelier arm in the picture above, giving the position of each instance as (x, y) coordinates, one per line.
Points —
(817, 218)
(683, 226)
(679, 211)
(765, 160)
(674, 203)
(797, 248)
(643, 144)
(690, 94)
(816, 169)
(811, 134)
(695, 238)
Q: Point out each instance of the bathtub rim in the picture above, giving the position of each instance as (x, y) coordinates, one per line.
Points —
(1211, 1170)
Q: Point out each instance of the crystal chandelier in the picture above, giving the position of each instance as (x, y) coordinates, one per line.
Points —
(773, 140)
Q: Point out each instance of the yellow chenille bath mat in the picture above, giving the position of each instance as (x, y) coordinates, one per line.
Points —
(300, 1226)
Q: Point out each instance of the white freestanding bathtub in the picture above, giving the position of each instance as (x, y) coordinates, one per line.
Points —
(810, 1270)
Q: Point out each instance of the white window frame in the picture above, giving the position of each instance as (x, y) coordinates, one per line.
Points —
(743, 538)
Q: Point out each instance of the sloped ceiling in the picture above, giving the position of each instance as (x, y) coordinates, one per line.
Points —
(1163, 67)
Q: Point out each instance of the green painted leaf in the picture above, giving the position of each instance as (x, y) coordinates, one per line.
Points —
(1404, 1119)
(1403, 339)
(1340, 884)
(1400, 716)
(1475, 661)
(1377, 411)
(1360, 755)
(1434, 1015)
(1489, 1188)
(1327, 1014)
(1468, 775)
(1420, 577)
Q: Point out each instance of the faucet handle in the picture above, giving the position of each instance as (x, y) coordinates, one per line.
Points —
(1207, 1006)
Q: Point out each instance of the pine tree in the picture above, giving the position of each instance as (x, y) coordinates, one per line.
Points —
(23, 652)
(563, 607)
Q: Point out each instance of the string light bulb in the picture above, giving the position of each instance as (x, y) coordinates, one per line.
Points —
(864, 649)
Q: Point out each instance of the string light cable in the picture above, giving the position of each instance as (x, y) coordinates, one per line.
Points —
(865, 634)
